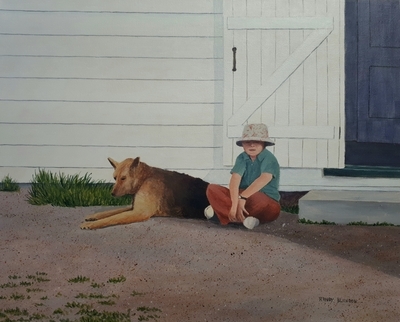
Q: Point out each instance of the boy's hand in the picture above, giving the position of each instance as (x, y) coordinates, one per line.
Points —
(232, 215)
(237, 215)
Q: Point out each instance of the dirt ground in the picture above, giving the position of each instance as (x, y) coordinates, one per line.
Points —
(169, 269)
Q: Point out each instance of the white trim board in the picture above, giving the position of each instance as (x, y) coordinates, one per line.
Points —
(297, 23)
(293, 132)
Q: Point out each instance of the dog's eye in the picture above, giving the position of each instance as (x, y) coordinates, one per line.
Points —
(115, 178)
(123, 178)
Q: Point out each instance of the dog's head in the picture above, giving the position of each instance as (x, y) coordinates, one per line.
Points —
(126, 176)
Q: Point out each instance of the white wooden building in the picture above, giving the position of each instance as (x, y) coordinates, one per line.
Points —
(81, 81)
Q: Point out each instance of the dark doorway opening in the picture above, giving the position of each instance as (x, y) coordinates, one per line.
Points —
(372, 101)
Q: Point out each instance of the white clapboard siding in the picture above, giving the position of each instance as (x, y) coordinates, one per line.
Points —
(83, 81)
(107, 91)
(171, 6)
(117, 24)
(107, 68)
(108, 46)
(96, 157)
(106, 135)
(42, 112)
(300, 53)
(26, 174)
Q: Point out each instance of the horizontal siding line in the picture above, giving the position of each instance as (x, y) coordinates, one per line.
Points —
(113, 57)
(116, 12)
(111, 36)
(108, 168)
(113, 124)
(113, 146)
(118, 79)
(120, 102)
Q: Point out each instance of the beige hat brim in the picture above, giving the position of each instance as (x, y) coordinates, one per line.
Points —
(267, 141)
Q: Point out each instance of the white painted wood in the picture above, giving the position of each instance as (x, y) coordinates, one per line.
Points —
(234, 86)
(296, 107)
(241, 88)
(322, 74)
(106, 135)
(107, 91)
(21, 112)
(118, 24)
(281, 152)
(171, 6)
(96, 157)
(313, 179)
(298, 97)
(108, 46)
(298, 23)
(293, 132)
(310, 77)
(227, 150)
(295, 153)
(279, 76)
(335, 78)
(108, 68)
(282, 47)
(254, 52)
(303, 179)
(24, 175)
(80, 82)
(269, 63)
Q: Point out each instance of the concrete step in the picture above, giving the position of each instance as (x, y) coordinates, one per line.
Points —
(343, 207)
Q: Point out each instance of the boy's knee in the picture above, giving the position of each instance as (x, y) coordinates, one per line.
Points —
(216, 191)
(211, 188)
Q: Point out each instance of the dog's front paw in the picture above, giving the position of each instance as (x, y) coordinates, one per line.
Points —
(91, 218)
(87, 226)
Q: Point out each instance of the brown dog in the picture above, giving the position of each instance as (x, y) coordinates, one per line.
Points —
(155, 192)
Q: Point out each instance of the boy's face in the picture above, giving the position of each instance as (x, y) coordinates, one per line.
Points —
(253, 148)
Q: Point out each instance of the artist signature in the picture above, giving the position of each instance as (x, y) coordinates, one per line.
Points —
(337, 300)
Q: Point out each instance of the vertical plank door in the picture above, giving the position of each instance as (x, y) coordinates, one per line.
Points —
(284, 67)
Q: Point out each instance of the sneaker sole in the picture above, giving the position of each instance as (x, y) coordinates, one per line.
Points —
(251, 222)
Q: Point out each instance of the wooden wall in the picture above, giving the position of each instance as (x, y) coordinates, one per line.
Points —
(84, 80)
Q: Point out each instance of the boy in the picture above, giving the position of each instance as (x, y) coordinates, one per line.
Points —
(253, 196)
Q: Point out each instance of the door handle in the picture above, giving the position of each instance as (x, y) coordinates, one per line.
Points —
(234, 59)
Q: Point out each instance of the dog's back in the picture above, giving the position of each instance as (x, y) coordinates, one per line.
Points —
(189, 193)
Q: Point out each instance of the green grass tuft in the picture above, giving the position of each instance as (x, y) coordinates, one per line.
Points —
(71, 191)
(115, 280)
(8, 184)
(84, 308)
(364, 223)
(79, 279)
(310, 222)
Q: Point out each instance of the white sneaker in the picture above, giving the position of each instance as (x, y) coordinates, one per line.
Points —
(251, 222)
(209, 212)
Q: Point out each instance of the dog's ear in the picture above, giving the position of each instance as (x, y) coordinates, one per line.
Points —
(113, 162)
(135, 163)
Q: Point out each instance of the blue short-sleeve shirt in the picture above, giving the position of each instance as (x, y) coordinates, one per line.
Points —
(250, 170)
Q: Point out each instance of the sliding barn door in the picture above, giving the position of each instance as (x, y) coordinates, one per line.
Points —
(284, 67)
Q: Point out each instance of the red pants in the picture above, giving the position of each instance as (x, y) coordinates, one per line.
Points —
(258, 205)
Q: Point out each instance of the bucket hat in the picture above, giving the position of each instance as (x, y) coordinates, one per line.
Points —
(255, 132)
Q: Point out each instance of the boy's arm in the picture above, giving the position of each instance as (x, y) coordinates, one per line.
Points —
(234, 188)
(234, 183)
(257, 185)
